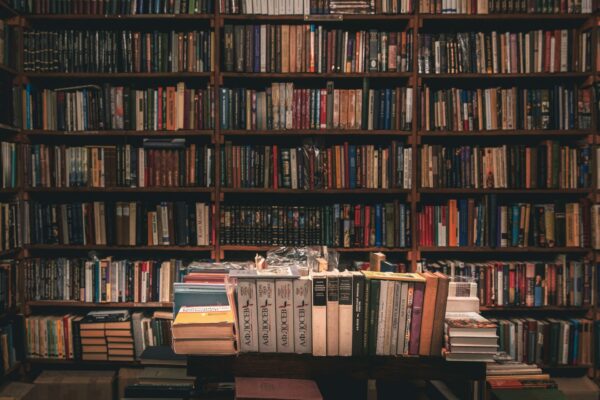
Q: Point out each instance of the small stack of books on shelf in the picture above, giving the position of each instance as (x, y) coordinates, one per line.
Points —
(470, 337)
(106, 335)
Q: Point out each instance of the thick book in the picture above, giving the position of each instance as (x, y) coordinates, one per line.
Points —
(319, 314)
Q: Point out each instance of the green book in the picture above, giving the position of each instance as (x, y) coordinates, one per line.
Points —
(373, 314)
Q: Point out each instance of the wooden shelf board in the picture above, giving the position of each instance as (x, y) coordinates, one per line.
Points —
(310, 75)
(509, 309)
(79, 304)
(534, 75)
(428, 249)
(101, 17)
(339, 249)
(503, 191)
(149, 134)
(315, 132)
(532, 16)
(317, 18)
(116, 75)
(8, 128)
(122, 190)
(315, 191)
(58, 247)
(518, 132)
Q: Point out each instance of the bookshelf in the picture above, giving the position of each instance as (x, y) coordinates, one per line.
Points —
(218, 195)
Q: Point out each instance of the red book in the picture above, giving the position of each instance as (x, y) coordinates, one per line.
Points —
(323, 108)
(367, 230)
(275, 164)
(417, 314)
(160, 108)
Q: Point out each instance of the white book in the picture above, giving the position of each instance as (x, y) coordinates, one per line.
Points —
(383, 303)
(345, 314)
(247, 315)
(403, 304)
(265, 289)
(333, 309)
(319, 314)
(303, 315)
(284, 315)
(391, 350)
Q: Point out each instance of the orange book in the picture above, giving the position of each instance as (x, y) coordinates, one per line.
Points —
(452, 210)
(429, 301)
(292, 48)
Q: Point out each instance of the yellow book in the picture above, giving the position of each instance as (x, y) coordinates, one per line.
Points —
(207, 322)
(397, 276)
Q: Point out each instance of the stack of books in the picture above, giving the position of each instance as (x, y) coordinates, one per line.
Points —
(204, 330)
(470, 337)
(106, 335)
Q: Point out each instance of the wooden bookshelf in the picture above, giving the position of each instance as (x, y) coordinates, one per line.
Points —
(300, 365)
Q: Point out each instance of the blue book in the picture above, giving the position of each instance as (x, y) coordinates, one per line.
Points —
(378, 225)
(352, 159)
(96, 281)
(515, 221)
(193, 294)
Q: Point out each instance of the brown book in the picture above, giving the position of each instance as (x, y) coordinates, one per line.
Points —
(117, 325)
(94, 349)
(117, 345)
(440, 311)
(429, 301)
(94, 356)
(118, 333)
(92, 333)
(120, 352)
(119, 339)
(120, 358)
(276, 389)
(93, 341)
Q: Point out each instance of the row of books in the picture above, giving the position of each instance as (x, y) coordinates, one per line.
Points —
(344, 166)
(505, 108)
(117, 51)
(343, 313)
(336, 225)
(283, 106)
(546, 342)
(8, 41)
(307, 7)
(132, 223)
(156, 164)
(494, 52)
(315, 48)
(112, 335)
(109, 107)
(114, 7)
(9, 166)
(548, 165)
(505, 7)
(7, 285)
(562, 283)
(10, 227)
(485, 222)
(10, 353)
(99, 280)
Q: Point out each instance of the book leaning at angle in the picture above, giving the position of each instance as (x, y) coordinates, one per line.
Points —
(204, 330)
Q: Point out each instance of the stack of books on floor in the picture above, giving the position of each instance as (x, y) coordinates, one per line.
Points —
(470, 337)
(205, 330)
(162, 383)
